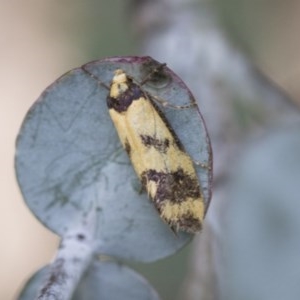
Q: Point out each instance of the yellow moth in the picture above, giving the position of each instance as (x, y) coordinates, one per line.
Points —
(158, 157)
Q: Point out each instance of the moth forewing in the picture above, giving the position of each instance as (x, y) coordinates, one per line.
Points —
(165, 169)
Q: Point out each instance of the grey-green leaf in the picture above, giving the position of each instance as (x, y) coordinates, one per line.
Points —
(70, 162)
(103, 280)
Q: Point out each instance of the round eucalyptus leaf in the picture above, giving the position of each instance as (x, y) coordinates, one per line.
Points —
(103, 280)
(70, 163)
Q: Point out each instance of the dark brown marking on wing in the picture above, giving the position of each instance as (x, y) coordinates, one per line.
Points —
(174, 186)
(124, 100)
(127, 147)
(187, 223)
(159, 145)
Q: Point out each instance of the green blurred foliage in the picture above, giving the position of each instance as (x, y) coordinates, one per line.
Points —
(253, 24)
(99, 28)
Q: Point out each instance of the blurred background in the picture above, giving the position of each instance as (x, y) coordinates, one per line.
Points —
(41, 40)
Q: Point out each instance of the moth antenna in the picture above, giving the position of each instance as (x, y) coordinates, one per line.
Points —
(95, 77)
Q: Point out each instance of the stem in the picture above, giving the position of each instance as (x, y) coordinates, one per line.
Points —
(74, 256)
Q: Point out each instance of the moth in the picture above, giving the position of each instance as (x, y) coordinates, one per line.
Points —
(164, 168)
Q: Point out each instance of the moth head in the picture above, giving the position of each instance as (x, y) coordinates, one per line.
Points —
(120, 76)
(119, 83)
